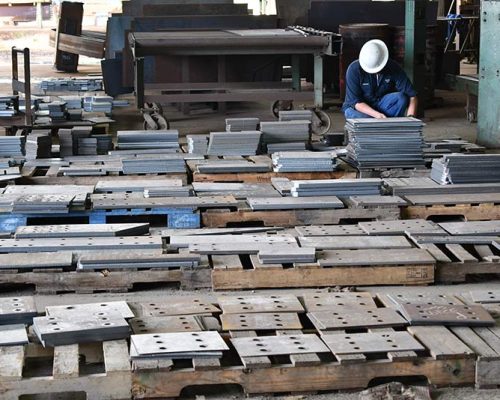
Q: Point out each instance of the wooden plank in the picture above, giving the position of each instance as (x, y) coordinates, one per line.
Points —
(490, 336)
(226, 262)
(475, 342)
(11, 362)
(441, 342)
(66, 362)
(116, 356)
(205, 364)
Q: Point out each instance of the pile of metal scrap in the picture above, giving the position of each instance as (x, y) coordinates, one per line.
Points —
(304, 161)
(234, 143)
(242, 124)
(466, 168)
(385, 143)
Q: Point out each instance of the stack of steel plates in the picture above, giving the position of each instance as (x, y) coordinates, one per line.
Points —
(304, 161)
(65, 142)
(103, 104)
(466, 168)
(17, 310)
(385, 143)
(7, 106)
(74, 115)
(292, 146)
(168, 191)
(104, 143)
(197, 144)
(71, 85)
(77, 133)
(336, 187)
(177, 345)
(83, 323)
(43, 203)
(234, 143)
(285, 132)
(296, 115)
(140, 140)
(132, 260)
(38, 145)
(130, 186)
(12, 146)
(154, 164)
(286, 255)
(13, 335)
(87, 146)
(231, 166)
(72, 102)
(242, 124)
(57, 110)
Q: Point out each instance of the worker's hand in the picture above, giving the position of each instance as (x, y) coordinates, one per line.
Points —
(380, 116)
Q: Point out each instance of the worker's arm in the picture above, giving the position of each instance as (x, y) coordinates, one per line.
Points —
(366, 109)
(412, 107)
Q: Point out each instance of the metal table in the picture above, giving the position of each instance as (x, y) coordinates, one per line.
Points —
(230, 42)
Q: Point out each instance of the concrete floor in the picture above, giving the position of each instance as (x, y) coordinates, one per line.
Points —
(448, 120)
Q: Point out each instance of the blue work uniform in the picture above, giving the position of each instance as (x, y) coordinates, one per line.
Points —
(388, 92)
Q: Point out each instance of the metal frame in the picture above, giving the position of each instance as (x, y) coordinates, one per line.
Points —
(19, 86)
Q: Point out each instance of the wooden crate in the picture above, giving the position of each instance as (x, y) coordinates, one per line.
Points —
(100, 370)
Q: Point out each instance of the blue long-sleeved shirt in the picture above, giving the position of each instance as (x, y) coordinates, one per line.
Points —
(362, 87)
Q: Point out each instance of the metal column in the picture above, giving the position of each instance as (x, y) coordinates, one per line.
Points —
(488, 122)
(318, 80)
(415, 38)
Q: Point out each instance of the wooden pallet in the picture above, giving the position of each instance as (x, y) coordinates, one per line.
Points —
(266, 177)
(392, 172)
(222, 218)
(102, 373)
(456, 262)
(53, 281)
(469, 212)
(441, 364)
(230, 274)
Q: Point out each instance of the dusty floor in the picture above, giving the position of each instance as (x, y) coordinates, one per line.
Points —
(445, 121)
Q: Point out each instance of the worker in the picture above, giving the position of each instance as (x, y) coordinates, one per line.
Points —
(377, 87)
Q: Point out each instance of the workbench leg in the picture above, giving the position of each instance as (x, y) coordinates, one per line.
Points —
(318, 80)
(221, 78)
(296, 73)
(139, 82)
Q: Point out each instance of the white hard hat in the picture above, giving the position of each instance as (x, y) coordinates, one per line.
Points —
(373, 56)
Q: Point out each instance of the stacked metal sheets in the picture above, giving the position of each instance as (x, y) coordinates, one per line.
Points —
(292, 146)
(168, 191)
(284, 132)
(43, 203)
(87, 146)
(197, 144)
(120, 185)
(232, 166)
(72, 102)
(466, 168)
(296, 115)
(154, 164)
(242, 124)
(65, 142)
(336, 187)
(385, 143)
(294, 203)
(7, 106)
(162, 139)
(103, 104)
(13, 335)
(71, 85)
(234, 143)
(304, 161)
(17, 310)
(38, 145)
(177, 345)
(12, 146)
(57, 110)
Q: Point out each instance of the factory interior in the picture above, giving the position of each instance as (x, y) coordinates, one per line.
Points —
(263, 199)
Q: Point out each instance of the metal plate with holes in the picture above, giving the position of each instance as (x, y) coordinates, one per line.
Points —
(376, 201)
(485, 296)
(260, 321)
(17, 310)
(355, 242)
(415, 226)
(81, 230)
(177, 242)
(278, 345)
(375, 342)
(176, 323)
(243, 248)
(345, 317)
(58, 259)
(330, 230)
(179, 306)
(113, 308)
(394, 299)
(294, 203)
(177, 343)
(12, 335)
(457, 315)
(330, 301)
(259, 304)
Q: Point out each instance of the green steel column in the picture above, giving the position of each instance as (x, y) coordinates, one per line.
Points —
(488, 121)
(415, 38)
